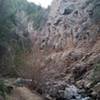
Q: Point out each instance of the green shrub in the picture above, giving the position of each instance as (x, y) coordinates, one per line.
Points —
(3, 89)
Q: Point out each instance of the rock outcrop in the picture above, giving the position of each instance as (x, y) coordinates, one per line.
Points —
(71, 44)
(71, 22)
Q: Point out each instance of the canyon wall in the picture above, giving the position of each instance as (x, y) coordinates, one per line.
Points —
(72, 21)
(70, 43)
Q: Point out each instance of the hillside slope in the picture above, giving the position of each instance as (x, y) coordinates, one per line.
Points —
(18, 19)
(70, 45)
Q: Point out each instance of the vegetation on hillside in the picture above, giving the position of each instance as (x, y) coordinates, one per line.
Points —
(15, 15)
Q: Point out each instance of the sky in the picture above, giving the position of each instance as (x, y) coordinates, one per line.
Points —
(43, 3)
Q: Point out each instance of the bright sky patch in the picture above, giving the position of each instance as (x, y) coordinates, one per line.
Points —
(43, 3)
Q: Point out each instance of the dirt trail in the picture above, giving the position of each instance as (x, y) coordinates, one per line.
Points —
(22, 93)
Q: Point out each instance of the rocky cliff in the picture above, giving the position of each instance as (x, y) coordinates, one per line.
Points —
(74, 21)
(70, 45)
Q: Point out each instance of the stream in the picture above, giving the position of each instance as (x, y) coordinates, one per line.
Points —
(73, 93)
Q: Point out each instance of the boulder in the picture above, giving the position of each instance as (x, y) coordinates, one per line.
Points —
(79, 70)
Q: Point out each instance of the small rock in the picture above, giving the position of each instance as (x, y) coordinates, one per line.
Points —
(94, 95)
(97, 87)
(86, 98)
(47, 97)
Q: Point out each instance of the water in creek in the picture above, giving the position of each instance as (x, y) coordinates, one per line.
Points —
(73, 93)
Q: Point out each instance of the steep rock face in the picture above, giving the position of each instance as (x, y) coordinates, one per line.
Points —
(71, 44)
(72, 21)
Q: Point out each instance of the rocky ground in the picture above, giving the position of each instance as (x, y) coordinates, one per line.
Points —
(22, 93)
(19, 89)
